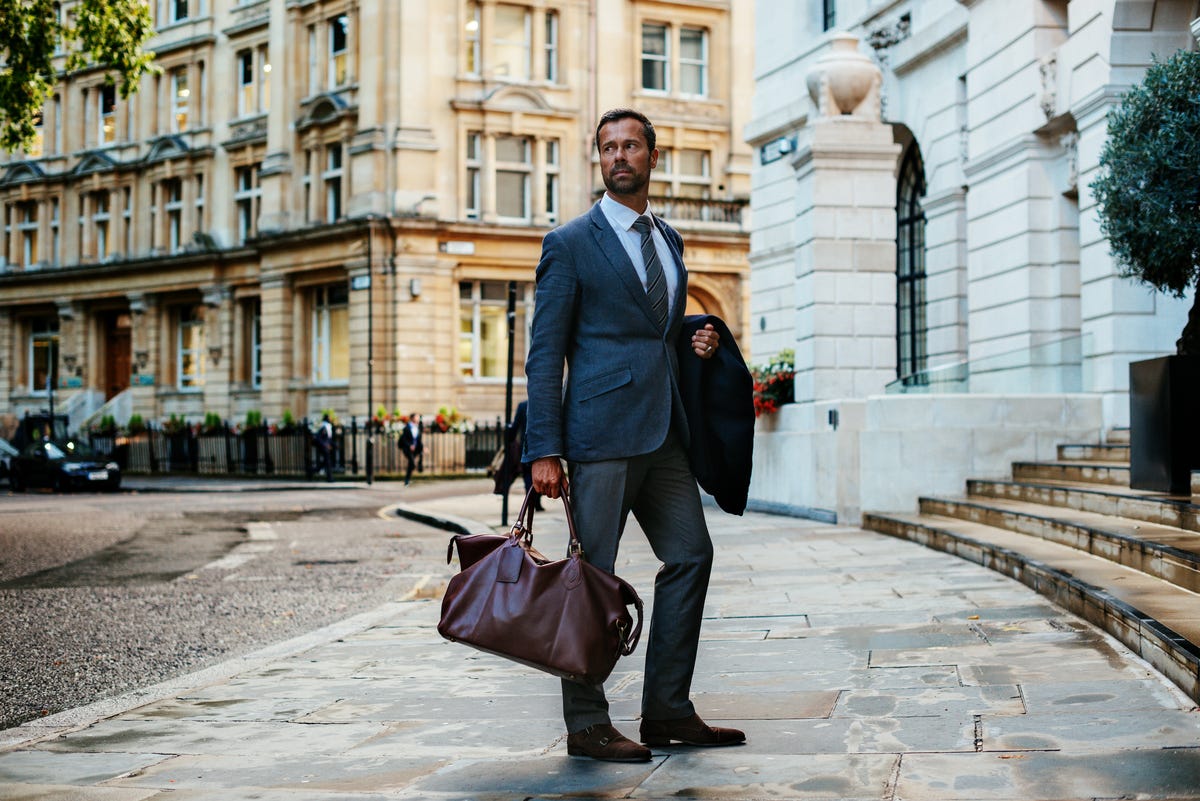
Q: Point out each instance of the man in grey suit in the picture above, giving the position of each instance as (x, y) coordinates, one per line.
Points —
(611, 293)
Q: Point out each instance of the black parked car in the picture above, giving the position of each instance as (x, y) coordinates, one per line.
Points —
(62, 465)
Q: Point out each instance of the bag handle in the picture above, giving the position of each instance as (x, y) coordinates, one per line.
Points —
(523, 528)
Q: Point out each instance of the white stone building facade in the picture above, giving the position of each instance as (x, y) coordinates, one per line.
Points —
(926, 241)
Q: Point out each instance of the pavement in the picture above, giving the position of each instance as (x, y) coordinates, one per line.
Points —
(860, 666)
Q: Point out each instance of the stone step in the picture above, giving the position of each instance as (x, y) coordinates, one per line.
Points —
(1117, 436)
(1115, 473)
(1164, 552)
(1155, 619)
(1151, 507)
(1084, 452)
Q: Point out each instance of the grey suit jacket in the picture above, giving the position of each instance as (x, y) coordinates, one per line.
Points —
(591, 313)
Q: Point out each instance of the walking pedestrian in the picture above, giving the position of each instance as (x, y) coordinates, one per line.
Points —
(412, 446)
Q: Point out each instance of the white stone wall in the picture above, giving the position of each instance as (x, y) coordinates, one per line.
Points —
(1007, 101)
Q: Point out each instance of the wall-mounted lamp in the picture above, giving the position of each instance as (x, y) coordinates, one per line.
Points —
(414, 287)
(214, 354)
(69, 360)
(142, 357)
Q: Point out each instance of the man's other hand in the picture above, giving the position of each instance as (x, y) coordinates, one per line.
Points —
(706, 341)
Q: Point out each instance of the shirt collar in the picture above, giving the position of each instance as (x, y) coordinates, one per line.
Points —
(620, 214)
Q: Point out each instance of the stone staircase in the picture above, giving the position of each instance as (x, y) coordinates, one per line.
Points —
(1126, 560)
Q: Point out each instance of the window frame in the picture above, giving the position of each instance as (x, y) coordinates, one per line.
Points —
(550, 46)
(663, 59)
(525, 45)
(339, 60)
(247, 197)
(190, 318)
(701, 63)
(106, 115)
(912, 320)
(475, 307)
(324, 306)
(172, 203)
(523, 170)
(50, 335)
(332, 182)
(180, 99)
(28, 224)
(473, 163)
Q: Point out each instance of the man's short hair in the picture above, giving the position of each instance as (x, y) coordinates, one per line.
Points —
(615, 114)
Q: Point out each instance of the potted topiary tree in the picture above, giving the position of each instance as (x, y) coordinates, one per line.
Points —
(1148, 197)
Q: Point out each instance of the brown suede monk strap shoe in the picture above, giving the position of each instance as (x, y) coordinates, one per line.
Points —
(602, 741)
(689, 731)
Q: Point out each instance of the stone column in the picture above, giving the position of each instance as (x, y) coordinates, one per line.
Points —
(845, 234)
(275, 177)
(8, 361)
(72, 346)
(144, 351)
(218, 339)
(277, 362)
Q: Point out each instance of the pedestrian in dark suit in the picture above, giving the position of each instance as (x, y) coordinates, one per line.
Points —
(514, 435)
(610, 298)
(412, 446)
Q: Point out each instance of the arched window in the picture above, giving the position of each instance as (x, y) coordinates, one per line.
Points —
(911, 323)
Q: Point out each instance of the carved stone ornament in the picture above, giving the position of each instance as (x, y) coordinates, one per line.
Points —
(845, 82)
(1048, 67)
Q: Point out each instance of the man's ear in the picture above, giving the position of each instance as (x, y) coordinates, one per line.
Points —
(654, 158)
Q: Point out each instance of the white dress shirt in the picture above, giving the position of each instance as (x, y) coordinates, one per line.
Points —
(622, 218)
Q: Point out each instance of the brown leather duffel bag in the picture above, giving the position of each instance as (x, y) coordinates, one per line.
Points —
(565, 617)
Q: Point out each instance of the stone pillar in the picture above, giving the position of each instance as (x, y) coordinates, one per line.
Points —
(218, 339)
(276, 174)
(277, 362)
(845, 235)
(144, 351)
(8, 361)
(72, 346)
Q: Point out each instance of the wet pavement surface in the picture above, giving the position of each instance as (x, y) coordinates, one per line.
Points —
(860, 666)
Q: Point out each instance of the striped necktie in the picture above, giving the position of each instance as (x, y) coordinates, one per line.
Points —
(656, 282)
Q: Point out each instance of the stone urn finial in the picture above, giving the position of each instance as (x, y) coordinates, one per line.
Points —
(845, 82)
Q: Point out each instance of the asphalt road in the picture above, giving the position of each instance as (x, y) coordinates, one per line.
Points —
(102, 594)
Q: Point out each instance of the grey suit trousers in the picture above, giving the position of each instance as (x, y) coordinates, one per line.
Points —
(660, 490)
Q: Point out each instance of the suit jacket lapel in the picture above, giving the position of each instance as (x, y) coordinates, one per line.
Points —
(618, 260)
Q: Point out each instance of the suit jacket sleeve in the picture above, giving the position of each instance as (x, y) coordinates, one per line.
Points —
(555, 306)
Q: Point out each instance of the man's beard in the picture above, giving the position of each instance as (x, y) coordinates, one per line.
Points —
(628, 183)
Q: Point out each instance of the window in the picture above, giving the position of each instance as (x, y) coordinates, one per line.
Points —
(43, 355)
(314, 69)
(331, 334)
(246, 196)
(27, 232)
(911, 323)
(333, 182)
(172, 191)
(658, 44)
(127, 220)
(551, 46)
(510, 43)
(100, 221)
(655, 65)
(34, 151)
(339, 54)
(107, 105)
(828, 14)
(177, 11)
(58, 143)
(471, 40)
(55, 236)
(552, 169)
(682, 172)
(513, 169)
(247, 90)
(483, 328)
(253, 88)
(180, 95)
(199, 218)
(474, 164)
(693, 61)
(252, 364)
(190, 347)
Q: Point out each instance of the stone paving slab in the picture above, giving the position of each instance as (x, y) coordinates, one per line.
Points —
(861, 666)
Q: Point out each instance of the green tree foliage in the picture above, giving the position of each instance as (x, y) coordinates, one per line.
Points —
(108, 34)
(1149, 188)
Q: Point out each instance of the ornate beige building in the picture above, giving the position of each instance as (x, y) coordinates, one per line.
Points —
(321, 203)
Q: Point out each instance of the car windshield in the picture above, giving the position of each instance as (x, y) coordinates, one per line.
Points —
(68, 449)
